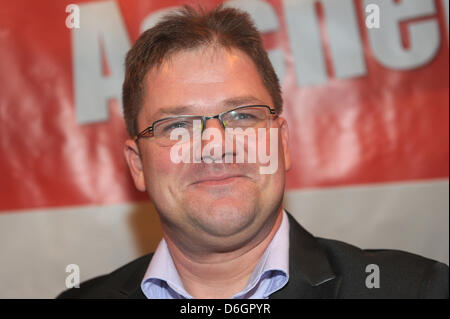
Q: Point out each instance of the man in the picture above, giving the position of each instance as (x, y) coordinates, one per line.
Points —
(226, 234)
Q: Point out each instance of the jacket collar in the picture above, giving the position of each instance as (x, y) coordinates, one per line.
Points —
(131, 288)
(310, 273)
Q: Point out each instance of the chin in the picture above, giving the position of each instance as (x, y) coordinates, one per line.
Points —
(224, 219)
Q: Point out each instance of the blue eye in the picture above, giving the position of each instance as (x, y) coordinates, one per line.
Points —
(178, 125)
(175, 125)
(243, 116)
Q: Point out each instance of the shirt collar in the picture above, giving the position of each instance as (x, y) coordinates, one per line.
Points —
(274, 261)
(162, 271)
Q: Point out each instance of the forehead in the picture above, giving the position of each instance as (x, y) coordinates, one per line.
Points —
(202, 81)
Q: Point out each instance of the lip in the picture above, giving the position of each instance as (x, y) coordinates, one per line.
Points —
(218, 180)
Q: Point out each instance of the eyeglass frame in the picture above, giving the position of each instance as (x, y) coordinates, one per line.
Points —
(149, 130)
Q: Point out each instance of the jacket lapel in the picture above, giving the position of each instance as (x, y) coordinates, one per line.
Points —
(131, 288)
(310, 273)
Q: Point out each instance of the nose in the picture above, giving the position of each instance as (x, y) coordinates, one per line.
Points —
(213, 141)
(211, 122)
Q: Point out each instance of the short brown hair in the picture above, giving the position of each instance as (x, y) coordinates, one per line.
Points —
(188, 28)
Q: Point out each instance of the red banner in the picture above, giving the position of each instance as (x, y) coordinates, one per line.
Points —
(365, 103)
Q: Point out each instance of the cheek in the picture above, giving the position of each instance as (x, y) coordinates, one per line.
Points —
(269, 151)
(158, 168)
(273, 181)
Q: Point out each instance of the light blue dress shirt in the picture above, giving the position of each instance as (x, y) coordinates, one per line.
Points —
(162, 281)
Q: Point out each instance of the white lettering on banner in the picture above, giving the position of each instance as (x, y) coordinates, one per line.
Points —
(445, 5)
(424, 36)
(73, 19)
(102, 27)
(73, 280)
(304, 35)
(373, 17)
(343, 39)
(266, 20)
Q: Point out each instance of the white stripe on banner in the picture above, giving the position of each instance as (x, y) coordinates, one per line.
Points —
(36, 246)
(408, 216)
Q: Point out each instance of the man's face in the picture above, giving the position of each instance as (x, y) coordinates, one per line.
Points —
(209, 206)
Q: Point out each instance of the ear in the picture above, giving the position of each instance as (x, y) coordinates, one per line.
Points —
(133, 158)
(284, 131)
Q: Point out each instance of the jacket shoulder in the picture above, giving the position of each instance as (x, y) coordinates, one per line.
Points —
(110, 285)
(385, 273)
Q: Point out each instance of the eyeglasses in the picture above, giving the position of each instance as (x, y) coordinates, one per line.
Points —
(251, 116)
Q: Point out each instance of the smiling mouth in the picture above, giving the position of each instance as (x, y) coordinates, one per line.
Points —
(218, 180)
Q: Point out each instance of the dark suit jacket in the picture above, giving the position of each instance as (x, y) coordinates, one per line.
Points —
(318, 268)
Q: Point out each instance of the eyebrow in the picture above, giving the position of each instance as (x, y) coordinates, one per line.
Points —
(226, 104)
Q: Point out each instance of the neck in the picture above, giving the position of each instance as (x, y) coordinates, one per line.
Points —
(220, 275)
